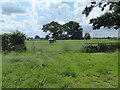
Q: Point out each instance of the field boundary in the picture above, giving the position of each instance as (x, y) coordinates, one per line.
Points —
(96, 44)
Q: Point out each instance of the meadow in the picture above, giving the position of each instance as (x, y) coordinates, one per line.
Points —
(61, 45)
(60, 65)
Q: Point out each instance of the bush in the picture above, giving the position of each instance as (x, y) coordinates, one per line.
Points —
(13, 42)
(107, 48)
(90, 49)
(100, 48)
(103, 47)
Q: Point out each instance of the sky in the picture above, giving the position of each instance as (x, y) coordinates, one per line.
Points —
(28, 16)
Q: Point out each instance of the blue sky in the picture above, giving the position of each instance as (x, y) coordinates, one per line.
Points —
(29, 16)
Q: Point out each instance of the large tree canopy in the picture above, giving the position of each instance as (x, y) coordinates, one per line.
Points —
(73, 29)
(109, 19)
(54, 28)
(37, 37)
(70, 30)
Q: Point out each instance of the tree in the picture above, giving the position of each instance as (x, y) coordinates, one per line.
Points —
(73, 29)
(37, 37)
(47, 37)
(109, 19)
(64, 37)
(87, 36)
(54, 28)
(70, 30)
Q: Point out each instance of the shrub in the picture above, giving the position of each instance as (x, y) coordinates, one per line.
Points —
(13, 42)
(91, 49)
(100, 48)
(107, 48)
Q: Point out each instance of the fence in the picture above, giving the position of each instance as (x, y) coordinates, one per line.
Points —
(96, 44)
(61, 46)
(58, 46)
(101, 47)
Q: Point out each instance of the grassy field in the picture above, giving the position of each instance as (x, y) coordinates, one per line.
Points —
(62, 45)
(60, 66)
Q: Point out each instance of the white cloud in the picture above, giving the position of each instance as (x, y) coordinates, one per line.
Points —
(11, 25)
(62, 13)
(105, 33)
(9, 8)
(14, 0)
(44, 11)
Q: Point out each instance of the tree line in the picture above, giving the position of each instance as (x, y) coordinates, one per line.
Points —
(69, 30)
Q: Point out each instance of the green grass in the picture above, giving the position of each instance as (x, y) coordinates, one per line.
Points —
(49, 67)
(61, 45)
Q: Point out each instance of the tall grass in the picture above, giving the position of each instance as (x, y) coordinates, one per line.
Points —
(59, 65)
(60, 69)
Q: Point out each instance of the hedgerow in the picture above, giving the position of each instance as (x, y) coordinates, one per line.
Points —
(14, 41)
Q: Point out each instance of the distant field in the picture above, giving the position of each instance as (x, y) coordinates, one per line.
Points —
(60, 45)
(51, 66)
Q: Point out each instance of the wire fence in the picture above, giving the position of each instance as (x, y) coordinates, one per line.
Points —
(59, 46)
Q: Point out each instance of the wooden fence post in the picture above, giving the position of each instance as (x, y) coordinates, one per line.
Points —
(33, 46)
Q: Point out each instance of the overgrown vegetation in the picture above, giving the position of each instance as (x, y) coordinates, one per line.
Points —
(62, 65)
(101, 47)
(59, 67)
(60, 70)
(14, 41)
